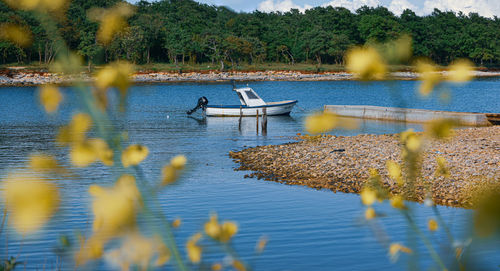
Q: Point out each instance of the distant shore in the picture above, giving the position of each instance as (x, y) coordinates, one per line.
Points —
(20, 77)
(342, 164)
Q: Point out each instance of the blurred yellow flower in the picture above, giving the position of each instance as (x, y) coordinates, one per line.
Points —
(395, 248)
(411, 140)
(368, 196)
(212, 227)
(138, 250)
(115, 208)
(16, 34)
(75, 131)
(461, 71)
(261, 244)
(321, 122)
(441, 128)
(429, 75)
(91, 150)
(89, 250)
(176, 223)
(222, 233)
(228, 230)
(29, 201)
(39, 5)
(116, 74)
(170, 172)
(370, 213)
(43, 163)
(193, 249)
(395, 172)
(50, 98)
(178, 162)
(432, 225)
(402, 49)
(71, 64)
(398, 202)
(112, 21)
(238, 265)
(366, 63)
(134, 155)
(216, 267)
(442, 168)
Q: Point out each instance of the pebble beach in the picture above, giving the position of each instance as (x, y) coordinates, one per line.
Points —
(21, 77)
(342, 164)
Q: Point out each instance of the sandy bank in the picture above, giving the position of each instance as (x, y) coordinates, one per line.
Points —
(19, 77)
(342, 163)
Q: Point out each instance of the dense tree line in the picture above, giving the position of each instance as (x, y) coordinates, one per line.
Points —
(186, 31)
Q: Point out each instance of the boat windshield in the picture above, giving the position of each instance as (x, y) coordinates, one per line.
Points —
(251, 95)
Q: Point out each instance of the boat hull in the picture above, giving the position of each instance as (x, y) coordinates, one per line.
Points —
(272, 109)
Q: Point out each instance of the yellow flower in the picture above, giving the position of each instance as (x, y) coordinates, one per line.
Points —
(321, 122)
(43, 5)
(461, 71)
(50, 97)
(239, 265)
(433, 225)
(411, 140)
(134, 155)
(222, 233)
(261, 244)
(216, 267)
(366, 63)
(43, 163)
(398, 202)
(29, 201)
(429, 75)
(178, 162)
(442, 168)
(212, 227)
(370, 213)
(75, 131)
(170, 172)
(91, 150)
(71, 64)
(395, 171)
(228, 230)
(89, 250)
(115, 208)
(368, 196)
(400, 50)
(193, 249)
(140, 251)
(16, 34)
(395, 248)
(176, 223)
(112, 21)
(117, 75)
(441, 128)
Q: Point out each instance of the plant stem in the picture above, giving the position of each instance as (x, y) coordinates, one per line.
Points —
(426, 241)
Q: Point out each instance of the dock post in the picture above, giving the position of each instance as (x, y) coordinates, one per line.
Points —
(239, 121)
(257, 120)
(264, 121)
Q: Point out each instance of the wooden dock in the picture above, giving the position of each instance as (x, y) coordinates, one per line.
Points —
(413, 115)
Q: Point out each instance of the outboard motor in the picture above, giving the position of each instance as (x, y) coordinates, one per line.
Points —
(202, 103)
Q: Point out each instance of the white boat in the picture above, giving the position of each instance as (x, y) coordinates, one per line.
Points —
(251, 105)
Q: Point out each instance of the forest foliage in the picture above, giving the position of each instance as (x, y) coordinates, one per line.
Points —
(185, 31)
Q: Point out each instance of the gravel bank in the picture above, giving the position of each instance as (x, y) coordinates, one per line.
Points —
(342, 163)
(9, 77)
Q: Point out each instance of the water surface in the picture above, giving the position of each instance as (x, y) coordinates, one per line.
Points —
(308, 229)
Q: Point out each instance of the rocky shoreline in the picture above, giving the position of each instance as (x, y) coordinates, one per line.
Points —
(342, 163)
(19, 77)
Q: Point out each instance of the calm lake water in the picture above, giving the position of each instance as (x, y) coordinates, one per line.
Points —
(307, 229)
